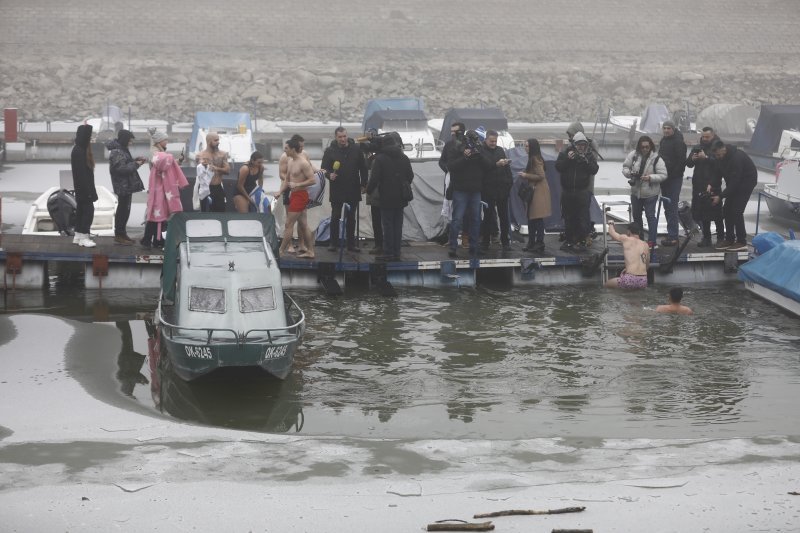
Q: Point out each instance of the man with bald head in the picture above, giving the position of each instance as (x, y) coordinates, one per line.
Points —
(218, 163)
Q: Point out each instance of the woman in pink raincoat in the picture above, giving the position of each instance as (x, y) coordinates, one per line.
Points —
(163, 196)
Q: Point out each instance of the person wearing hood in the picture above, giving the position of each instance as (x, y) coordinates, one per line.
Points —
(496, 188)
(346, 168)
(576, 164)
(163, 196)
(740, 175)
(391, 176)
(672, 150)
(572, 129)
(82, 162)
(124, 170)
(703, 211)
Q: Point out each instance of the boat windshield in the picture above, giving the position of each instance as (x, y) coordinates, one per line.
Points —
(256, 299)
(207, 300)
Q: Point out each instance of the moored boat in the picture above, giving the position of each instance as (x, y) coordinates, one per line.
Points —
(783, 196)
(775, 275)
(222, 303)
(58, 218)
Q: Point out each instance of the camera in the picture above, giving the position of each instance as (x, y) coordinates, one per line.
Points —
(373, 142)
(634, 178)
(472, 141)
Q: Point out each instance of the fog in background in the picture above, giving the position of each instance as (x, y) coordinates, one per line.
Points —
(539, 61)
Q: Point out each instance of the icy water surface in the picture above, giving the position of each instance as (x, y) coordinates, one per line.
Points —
(584, 362)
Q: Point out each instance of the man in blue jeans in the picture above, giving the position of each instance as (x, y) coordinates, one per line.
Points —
(672, 150)
(467, 168)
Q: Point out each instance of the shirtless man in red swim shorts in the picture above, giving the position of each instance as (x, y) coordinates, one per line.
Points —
(637, 258)
(300, 175)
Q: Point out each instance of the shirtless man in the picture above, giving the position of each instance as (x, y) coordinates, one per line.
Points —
(283, 166)
(218, 163)
(299, 176)
(674, 306)
(637, 258)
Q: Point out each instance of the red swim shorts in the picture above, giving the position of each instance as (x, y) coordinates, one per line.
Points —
(298, 201)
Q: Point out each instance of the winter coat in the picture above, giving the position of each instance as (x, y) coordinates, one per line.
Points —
(541, 205)
(163, 192)
(389, 170)
(703, 174)
(124, 170)
(352, 174)
(498, 180)
(672, 150)
(466, 173)
(739, 172)
(655, 167)
(576, 173)
(82, 173)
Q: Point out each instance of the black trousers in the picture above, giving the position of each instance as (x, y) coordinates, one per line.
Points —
(350, 227)
(493, 210)
(377, 225)
(575, 211)
(123, 214)
(84, 214)
(734, 216)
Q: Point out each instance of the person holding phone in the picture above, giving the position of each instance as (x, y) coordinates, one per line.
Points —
(125, 180)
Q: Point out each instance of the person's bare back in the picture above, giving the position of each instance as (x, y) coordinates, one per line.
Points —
(636, 253)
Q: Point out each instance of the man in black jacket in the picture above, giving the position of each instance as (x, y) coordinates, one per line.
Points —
(346, 169)
(701, 159)
(576, 164)
(741, 176)
(125, 179)
(496, 188)
(672, 150)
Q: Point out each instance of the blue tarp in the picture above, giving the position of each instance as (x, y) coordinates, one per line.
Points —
(217, 120)
(778, 269)
(396, 104)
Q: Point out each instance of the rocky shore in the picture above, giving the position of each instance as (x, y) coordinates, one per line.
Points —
(310, 85)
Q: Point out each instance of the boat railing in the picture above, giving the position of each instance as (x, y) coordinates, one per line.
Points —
(293, 330)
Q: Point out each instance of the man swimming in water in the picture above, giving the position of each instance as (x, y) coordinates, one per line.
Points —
(674, 306)
(637, 258)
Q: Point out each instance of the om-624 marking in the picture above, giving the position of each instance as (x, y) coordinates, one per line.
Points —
(275, 352)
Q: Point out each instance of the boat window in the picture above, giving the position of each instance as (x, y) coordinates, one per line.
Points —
(206, 300)
(203, 228)
(257, 299)
(425, 147)
(245, 228)
(407, 147)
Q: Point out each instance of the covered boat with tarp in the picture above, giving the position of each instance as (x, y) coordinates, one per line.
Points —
(775, 275)
(729, 120)
(765, 144)
(222, 303)
(478, 118)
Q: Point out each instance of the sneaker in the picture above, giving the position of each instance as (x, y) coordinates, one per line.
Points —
(737, 247)
(724, 245)
(705, 242)
(86, 242)
(77, 238)
(122, 239)
(669, 241)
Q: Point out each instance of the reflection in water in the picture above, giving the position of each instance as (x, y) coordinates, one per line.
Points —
(526, 363)
(238, 398)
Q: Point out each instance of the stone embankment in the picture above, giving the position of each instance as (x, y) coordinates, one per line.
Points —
(318, 85)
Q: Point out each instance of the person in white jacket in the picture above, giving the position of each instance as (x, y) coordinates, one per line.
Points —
(645, 171)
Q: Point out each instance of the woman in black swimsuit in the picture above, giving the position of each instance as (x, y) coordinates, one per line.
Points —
(250, 175)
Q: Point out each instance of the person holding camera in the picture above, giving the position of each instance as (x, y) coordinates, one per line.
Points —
(496, 188)
(467, 168)
(576, 164)
(672, 150)
(645, 171)
(125, 179)
(703, 210)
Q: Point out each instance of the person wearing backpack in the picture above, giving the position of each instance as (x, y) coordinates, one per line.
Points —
(645, 170)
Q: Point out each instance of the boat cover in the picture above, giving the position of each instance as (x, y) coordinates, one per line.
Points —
(653, 117)
(778, 269)
(396, 104)
(491, 118)
(383, 116)
(217, 120)
(772, 120)
(176, 234)
(727, 119)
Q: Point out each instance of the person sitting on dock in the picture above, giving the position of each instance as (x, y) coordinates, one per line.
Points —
(300, 176)
(674, 303)
(637, 258)
(218, 163)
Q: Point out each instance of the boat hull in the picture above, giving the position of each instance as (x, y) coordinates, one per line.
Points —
(793, 306)
(782, 206)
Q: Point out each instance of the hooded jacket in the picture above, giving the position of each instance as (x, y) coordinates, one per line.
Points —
(351, 175)
(390, 169)
(576, 173)
(466, 173)
(739, 172)
(654, 167)
(673, 150)
(82, 173)
(123, 169)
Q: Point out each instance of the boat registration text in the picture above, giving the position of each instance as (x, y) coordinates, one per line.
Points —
(274, 352)
(198, 352)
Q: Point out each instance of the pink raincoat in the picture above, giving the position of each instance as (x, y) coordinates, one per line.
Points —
(163, 194)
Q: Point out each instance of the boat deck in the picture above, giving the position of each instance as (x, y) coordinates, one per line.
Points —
(29, 259)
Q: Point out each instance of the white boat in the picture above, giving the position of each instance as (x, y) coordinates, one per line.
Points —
(783, 196)
(406, 116)
(40, 222)
(234, 130)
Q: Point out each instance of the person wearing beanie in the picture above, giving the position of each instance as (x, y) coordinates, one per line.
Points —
(125, 180)
(672, 150)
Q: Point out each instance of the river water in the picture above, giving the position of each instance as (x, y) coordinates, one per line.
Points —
(469, 363)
